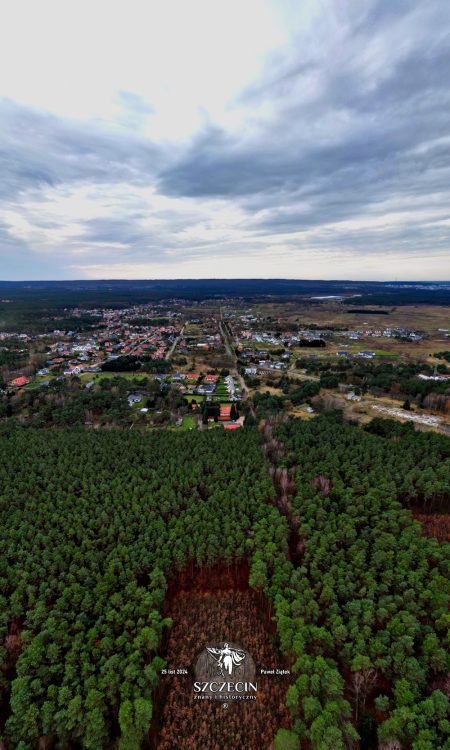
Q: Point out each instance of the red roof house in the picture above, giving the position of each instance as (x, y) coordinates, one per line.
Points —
(225, 413)
(19, 382)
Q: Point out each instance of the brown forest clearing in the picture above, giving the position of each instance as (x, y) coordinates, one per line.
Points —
(212, 607)
(435, 525)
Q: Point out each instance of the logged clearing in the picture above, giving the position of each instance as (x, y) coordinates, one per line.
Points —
(213, 615)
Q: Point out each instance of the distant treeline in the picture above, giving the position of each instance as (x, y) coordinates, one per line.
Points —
(366, 311)
(28, 303)
(404, 296)
(312, 343)
(316, 326)
(34, 315)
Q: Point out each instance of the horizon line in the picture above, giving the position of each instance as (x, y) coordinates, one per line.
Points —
(227, 278)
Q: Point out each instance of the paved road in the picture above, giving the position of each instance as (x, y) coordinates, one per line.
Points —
(231, 353)
(172, 348)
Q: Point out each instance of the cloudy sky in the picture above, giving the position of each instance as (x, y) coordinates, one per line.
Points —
(225, 138)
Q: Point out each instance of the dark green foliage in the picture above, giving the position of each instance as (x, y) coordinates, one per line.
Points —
(403, 296)
(304, 392)
(95, 522)
(329, 381)
(268, 403)
(370, 597)
(367, 311)
(312, 343)
(67, 402)
(286, 740)
(13, 354)
(443, 355)
(129, 363)
(92, 525)
(401, 379)
(388, 428)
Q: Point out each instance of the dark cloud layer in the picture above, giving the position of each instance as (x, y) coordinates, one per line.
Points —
(357, 142)
(39, 149)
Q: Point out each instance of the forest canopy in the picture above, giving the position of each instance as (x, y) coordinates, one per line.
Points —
(95, 524)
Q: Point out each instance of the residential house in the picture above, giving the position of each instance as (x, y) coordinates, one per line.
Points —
(134, 398)
(19, 382)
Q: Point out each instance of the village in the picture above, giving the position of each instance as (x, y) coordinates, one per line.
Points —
(200, 365)
(140, 345)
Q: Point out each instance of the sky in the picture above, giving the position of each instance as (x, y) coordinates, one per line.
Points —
(225, 138)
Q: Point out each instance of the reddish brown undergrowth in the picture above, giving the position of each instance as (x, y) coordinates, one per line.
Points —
(219, 577)
(435, 525)
(208, 607)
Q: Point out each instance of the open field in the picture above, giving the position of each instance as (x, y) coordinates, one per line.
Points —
(391, 349)
(427, 318)
(196, 398)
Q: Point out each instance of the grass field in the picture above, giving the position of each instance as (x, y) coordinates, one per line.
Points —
(86, 377)
(407, 351)
(259, 345)
(38, 382)
(198, 399)
(189, 423)
(427, 318)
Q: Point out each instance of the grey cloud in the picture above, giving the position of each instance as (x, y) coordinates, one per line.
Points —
(354, 143)
(38, 149)
(124, 230)
(328, 142)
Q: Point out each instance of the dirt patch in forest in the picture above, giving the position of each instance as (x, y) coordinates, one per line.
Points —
(215, 606)
(435, 525)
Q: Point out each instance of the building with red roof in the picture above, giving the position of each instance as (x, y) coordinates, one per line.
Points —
(19, 382)
(225, 413)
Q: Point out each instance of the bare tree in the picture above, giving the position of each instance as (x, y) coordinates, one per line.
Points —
(323, 484)
(363, 681)
(392, 744)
